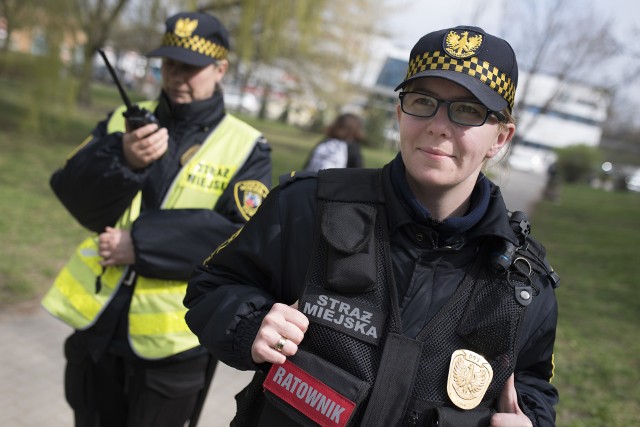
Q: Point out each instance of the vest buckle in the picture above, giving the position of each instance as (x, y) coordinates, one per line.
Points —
(129, 277)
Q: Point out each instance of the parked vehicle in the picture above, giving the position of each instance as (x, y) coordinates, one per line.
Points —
(633, 181)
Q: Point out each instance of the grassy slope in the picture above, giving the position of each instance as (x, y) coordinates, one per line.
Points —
(591, 238)
(38, 130)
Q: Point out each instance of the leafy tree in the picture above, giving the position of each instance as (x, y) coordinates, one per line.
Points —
(315, 42)
(17, 14)
(578, 163)
(141, 25)
(95, 18)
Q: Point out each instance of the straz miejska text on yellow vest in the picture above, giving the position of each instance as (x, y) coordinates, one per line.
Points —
(157, 328)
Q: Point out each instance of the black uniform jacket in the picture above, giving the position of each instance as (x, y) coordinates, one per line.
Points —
(96, 186)
(267, 262)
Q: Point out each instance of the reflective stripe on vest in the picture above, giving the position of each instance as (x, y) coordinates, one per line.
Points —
(156, 315)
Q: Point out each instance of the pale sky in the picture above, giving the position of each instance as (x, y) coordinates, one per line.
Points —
(411, 19)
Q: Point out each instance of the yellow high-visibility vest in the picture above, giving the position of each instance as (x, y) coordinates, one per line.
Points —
(157, 329)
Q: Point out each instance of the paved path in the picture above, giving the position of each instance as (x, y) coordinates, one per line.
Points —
(521, 190)
(32, 363)
(32, 367)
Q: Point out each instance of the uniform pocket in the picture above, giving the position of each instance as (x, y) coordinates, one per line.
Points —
(351, 258)
(79, 386)
(79, 376)
(177, 380)
(452, 417)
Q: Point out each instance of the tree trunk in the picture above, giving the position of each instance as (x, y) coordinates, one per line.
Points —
(7, 43)
(83, 97)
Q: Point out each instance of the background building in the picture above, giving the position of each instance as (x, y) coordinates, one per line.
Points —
(555, 114)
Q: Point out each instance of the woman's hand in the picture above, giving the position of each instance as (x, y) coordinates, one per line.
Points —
(281, 332)
(510, 414)
(116, 247)
(144, 145)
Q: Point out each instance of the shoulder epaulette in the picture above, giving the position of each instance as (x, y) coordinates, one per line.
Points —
(293, 176)
(351, 185)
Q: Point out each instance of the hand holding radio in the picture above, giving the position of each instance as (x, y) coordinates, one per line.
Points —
(135, 116)
(144, 141)
(144, 145)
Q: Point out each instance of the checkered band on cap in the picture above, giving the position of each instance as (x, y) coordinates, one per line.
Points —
(196, 44)
(483, 71)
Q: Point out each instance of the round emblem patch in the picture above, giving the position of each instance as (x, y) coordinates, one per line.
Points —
(249, 196)
(462, 44)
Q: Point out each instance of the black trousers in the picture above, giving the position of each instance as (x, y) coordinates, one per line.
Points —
(119, 391)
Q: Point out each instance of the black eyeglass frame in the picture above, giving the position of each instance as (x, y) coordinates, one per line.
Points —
(497, 114)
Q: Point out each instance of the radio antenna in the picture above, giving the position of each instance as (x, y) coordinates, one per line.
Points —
(124, 96)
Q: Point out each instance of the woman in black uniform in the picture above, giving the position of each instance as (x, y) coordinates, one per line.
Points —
(401, 296)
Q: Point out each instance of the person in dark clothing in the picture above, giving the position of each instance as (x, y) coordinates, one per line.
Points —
(408, 295)
(158, 198)
(341, 147)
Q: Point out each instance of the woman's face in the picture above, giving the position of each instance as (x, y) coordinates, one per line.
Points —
(440, 155)
(185, 83)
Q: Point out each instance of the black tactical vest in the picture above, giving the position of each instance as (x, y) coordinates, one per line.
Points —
(354, 342)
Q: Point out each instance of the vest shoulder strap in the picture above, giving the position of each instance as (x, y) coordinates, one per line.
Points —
(351, 185)
(535, 253)
(241, 130)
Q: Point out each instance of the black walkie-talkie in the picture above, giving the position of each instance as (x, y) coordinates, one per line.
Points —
(136, 116)
(502, 258)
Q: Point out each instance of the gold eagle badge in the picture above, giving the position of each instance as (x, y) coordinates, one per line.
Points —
(462, 45)
(185, 27)
(469, 378)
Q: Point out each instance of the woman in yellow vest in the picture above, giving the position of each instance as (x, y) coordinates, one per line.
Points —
(157, 198)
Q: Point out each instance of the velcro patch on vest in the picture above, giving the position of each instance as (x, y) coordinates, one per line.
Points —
(307, 394)
(208, 177)
(347, 315)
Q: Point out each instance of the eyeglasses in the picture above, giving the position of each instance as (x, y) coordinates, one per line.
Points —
(466, 113)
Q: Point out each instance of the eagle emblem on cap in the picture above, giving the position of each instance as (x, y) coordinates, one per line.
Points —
(462, 45)
(185, 27)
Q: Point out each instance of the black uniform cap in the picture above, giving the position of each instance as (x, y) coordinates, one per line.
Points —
(483, 64)
(193, 38)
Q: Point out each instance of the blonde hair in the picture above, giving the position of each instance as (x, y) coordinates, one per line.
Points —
(507, 115)
(499, 162)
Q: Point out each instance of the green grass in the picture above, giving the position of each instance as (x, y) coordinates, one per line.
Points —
(592, 239)
(591, 236)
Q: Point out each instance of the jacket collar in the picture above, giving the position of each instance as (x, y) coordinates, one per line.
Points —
(203, 114)
(487, 215)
